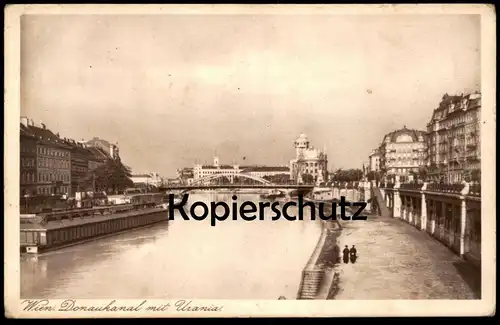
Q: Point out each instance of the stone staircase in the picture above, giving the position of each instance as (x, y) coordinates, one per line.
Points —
(384, 210)
(310, 284)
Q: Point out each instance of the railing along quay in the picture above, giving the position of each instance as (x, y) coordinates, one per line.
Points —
(69, 214)
(451, 213)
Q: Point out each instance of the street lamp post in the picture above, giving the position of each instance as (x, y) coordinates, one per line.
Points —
(26, 196)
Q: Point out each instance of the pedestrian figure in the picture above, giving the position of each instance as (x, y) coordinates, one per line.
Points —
(352, 253)
(346, 254)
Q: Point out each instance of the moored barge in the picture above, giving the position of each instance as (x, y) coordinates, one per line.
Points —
(43, 232)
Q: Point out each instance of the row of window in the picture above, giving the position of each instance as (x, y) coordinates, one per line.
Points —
(469, 130)
(28, 162)
(27, 177)
(79, 169)
(459, 151)
(213, 172)
(441, 158)
(25, 149)
(402, 170)
(406, 147)
(469, 117)
(52, 152)
(311, 171)
(48, 190)
(50, 177)
(405, 155)
(405, 162)
(54, 163)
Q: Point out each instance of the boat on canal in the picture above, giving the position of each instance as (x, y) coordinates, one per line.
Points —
(56, 229)
(273, 195)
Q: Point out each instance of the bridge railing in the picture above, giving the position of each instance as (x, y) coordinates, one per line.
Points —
(238, 186)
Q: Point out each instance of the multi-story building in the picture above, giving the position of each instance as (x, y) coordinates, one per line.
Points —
(402, 153)
(263, 171)
(110, 149)
(203, 170)
(453, 136)
(148, 179)
(97, 158)
(55, 166)
(185, 175)
(80, 157)
(53, 161)
(28, 155)
(374, 161)
(308, 160)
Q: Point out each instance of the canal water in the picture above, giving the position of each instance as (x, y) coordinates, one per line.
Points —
(182, 259)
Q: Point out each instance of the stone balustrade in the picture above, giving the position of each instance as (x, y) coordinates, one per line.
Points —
(451, 213)
(412, 186)
(446, 188)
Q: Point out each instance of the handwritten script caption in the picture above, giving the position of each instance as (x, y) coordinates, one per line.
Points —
(70, 305)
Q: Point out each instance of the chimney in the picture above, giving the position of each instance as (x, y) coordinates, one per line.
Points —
(43, 126)
(24, 121)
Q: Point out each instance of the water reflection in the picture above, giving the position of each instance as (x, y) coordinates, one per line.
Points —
(188, 259)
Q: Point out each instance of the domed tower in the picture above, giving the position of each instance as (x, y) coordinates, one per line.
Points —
(301, 144)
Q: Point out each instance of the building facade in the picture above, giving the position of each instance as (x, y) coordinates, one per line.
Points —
(52, 165)
(53, 162)
(110, 149)
(402, 153)
(374, 161)
(203, 170)
(453, 136)
(266, 171)
(308, 160)
(147, 179)
(97, 157)
(185, 175)
(80, 157)
(28, 160)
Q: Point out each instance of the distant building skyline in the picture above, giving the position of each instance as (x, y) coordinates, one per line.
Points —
(173, 88)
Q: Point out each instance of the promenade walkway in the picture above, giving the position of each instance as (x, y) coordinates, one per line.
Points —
(398, 261)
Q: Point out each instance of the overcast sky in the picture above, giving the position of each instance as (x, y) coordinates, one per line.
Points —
(173, 89)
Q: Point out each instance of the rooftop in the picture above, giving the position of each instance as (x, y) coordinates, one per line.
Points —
(404, 135)
(302, 138)
(451, 104)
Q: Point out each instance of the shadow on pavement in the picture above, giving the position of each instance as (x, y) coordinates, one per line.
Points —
(471, 275)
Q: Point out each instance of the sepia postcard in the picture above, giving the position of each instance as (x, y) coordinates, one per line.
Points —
(249, 160)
